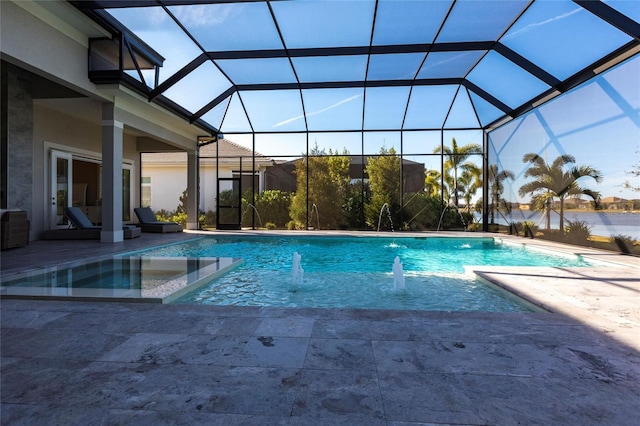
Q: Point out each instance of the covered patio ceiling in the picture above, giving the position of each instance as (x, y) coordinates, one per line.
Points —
(367, 65)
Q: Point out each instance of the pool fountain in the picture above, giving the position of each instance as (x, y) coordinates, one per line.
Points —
(398, 274)
(464, 223)
(388, 215)
(255, 210)
(315, 207)
(297, 273)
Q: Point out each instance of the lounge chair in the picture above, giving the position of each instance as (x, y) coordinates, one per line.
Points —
(84, 229)
(149, 222)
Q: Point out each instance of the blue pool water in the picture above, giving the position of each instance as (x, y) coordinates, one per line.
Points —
(356, 272)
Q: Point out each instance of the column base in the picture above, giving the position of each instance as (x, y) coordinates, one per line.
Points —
(112, 236)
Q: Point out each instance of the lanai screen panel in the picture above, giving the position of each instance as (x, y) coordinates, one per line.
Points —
(289, 79)
(504, 55)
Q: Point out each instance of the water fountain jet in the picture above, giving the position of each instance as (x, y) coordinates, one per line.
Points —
(297, 273)
(255, 210)
(388, 215)
(398, 274)
(452, 205)
(315, 207)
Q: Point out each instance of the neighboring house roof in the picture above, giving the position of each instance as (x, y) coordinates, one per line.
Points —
(227, 148)
(578, 201)
(613, 200)
(228, 151)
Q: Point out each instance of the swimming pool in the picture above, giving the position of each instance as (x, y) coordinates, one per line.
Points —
(356, 272)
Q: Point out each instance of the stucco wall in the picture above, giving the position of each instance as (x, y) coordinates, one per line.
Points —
(168, 181)
(167, 184)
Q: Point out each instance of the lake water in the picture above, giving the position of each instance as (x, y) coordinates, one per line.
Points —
(603, 223)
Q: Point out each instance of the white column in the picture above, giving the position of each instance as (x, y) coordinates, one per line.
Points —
(261, 171)
(112, 139)
(192, 189)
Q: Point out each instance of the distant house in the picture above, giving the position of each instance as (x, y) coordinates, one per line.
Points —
(616, 203)
(164, 174)
(281, 176)
(577, 203)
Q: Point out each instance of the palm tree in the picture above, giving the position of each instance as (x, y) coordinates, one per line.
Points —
(553, 181)
(456, 161)
(432, 182)
(496, 186)
(469, 183)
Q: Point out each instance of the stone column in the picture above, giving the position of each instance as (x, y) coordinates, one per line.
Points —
(17, 135)
(112, 139)
(193, 174)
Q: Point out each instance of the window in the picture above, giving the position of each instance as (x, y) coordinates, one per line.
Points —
(145, 191)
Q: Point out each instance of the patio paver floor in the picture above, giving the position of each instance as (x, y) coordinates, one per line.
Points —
(70, 362)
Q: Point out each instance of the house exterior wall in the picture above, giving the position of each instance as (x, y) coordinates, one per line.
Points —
(51, 130)
(40, 41)
(168, 181)
(49, 40)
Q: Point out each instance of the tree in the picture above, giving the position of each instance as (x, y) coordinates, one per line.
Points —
(432, 182)
(384, 181)
(456, 163)
(469, 183)
(327, 188)
(554, 181)
(496, 187)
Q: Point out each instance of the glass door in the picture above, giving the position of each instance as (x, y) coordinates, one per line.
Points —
(229, 203)
(61, 187)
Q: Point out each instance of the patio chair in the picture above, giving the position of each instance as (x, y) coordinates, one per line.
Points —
(149, 222)
(84, 229)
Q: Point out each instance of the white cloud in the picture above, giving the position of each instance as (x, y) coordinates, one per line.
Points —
(206, 15)
(540, 24)
(320, 111)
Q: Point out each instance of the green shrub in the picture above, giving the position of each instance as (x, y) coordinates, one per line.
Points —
(273, 206)
(180, 218)
(163, 215)
(577, 232)
(358, 195)
(270, 225)
(293, 225)
(422, 211)
(209, 220)
(474, 227)
(624, 242)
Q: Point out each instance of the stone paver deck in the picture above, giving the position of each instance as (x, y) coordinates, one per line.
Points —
(86, 363)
